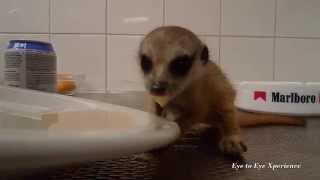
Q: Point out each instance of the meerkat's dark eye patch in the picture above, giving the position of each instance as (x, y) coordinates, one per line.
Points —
(145, 63)
(205, 55)
(180, 65)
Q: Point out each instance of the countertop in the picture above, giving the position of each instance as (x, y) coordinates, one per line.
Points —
(295, 149)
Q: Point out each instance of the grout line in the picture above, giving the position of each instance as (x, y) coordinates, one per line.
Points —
(274, 60)
(274, 40)
(38, 33)
(163, 12)
(275, 17)
(79, 33)
(50, 38)
(106, 17)
(271, 36)
(125, 34)
(4, 33)
(208, 35)
(291, 37)
(115, 34)
(247, 36)
(106, 48)
(220, 30)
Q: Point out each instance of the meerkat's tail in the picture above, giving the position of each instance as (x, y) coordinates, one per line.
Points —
(247, 119)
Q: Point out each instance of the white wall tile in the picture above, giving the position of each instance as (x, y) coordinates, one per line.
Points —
(123, 70)
(24, 16)
(213, 46)
(5, 38)
(298, 18)
(248, 17)
(82, 55)
(134, 17)
(247, 58)
(297, 59)
(201, 16)
(78, 16)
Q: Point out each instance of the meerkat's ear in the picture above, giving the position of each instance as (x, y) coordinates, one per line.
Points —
(204, 54)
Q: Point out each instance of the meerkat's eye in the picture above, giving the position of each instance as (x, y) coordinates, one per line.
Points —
(180, 65)
(146, 64)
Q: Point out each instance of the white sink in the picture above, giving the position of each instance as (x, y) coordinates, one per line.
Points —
(31, 135)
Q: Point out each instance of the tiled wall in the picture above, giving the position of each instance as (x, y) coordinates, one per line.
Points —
(98, 39)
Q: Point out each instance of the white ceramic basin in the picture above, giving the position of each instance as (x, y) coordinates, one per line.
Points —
(40, 130)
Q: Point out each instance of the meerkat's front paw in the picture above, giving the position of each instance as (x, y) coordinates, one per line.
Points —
(232, 145)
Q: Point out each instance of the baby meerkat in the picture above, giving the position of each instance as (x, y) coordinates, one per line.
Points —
(185, 86)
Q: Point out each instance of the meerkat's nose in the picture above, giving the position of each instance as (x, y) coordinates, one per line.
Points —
(159, 88)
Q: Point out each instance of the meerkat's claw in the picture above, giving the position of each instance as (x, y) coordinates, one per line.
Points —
(233, 145)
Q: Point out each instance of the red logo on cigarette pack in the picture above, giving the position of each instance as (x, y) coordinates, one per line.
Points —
(260, 95)
(290, 97)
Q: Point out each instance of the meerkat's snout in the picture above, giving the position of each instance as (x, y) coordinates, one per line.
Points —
(159, 88)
